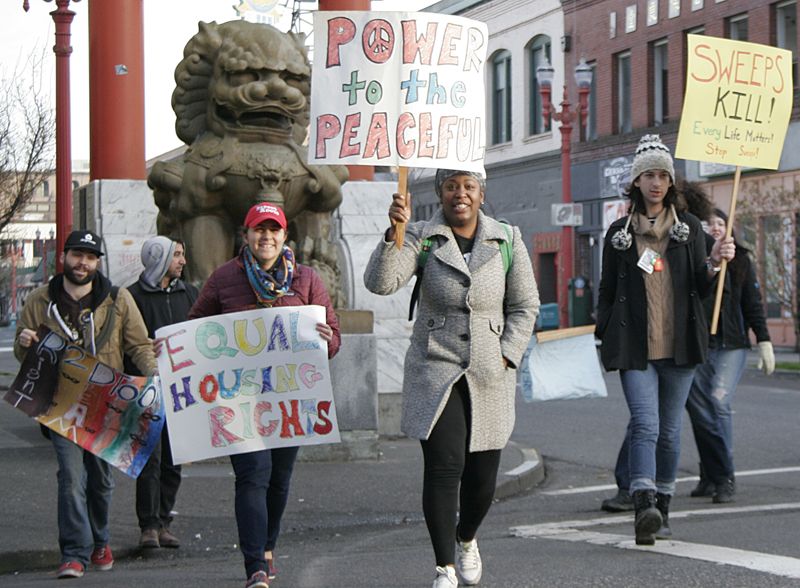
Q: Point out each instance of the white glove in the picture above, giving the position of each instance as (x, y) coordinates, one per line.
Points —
(766, 357)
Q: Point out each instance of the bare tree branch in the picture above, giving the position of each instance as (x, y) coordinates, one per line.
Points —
(27, 134)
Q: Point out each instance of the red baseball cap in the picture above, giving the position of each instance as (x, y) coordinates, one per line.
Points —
(264, 211)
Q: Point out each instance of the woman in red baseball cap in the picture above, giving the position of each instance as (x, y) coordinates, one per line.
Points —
(263, 275)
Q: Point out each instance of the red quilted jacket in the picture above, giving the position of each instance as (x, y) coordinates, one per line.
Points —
(228, 290)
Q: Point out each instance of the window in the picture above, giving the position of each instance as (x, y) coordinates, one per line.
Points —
(591, 119)
(660, 82)
(777, 264)
(786, 32)
(539, 52)
(501, 103)
(624, 124)
(737, 27)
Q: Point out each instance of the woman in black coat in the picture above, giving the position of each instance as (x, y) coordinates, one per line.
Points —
(709, 402)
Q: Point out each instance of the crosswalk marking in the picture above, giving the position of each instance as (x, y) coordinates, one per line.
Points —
(605, 487)
(575, 531)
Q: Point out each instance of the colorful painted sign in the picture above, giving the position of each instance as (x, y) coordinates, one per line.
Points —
(116, 417)
(397, 88)
(245, 381)
(738, 103)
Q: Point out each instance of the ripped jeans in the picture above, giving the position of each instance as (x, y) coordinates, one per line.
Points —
(709, 406)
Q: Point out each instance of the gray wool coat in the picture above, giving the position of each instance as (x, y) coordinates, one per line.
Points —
(470, 318)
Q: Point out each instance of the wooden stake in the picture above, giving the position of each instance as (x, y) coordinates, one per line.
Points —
(402, 188)
(724, 267)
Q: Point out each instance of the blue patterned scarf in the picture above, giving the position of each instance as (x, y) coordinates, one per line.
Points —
(274, 283)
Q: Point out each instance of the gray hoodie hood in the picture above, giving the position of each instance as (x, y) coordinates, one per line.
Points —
(156, 257)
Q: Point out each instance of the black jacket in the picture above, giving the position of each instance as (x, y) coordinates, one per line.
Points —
(622, 302)
(742, 309)
(161, 308)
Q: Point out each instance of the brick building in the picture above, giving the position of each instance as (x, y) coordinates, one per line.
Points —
(637, 51)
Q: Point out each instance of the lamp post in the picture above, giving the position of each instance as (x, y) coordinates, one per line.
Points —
(62, 16)
(583, 78)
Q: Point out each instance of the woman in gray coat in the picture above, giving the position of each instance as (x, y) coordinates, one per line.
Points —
(475, 320)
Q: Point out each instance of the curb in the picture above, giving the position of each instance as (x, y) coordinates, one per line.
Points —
(525, 476)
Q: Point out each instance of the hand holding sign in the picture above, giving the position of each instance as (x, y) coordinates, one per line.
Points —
(402, 89)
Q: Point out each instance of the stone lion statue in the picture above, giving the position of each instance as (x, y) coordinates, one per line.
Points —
(242, 107)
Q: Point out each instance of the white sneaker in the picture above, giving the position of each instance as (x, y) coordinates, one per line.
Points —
(468, 562)
(445, 578)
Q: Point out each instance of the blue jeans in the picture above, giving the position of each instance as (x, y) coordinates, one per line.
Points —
(85, 484)
(262, 490)
(656, 397)
(709, 407)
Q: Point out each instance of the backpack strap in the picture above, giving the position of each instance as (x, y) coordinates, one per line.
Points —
(421, 261)
(108, 325)
(507, 249)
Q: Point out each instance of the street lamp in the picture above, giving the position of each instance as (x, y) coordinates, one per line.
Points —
(583, 78)
(62, 16)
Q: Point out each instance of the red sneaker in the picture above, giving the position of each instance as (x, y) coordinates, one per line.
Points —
(70, 569)
(102, 559)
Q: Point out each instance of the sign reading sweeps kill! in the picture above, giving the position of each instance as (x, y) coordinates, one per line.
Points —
(738, 103)
(398, 88)
(245, 381)
(116, 417)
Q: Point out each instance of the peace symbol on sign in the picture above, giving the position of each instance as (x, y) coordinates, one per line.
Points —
(378, 41)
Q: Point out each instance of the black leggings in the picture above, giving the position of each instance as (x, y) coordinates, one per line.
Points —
(448, 462)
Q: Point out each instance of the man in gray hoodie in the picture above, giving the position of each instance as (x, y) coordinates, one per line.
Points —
(163, 299)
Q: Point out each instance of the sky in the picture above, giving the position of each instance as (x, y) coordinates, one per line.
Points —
(168, 26)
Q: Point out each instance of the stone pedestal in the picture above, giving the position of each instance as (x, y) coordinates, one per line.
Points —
(124, 214)
(361, 221)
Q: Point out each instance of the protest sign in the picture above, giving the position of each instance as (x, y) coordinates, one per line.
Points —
(562, 365)
(738, 102)
(396, 88)
(736, 111)
(116, 417)
(245, 381)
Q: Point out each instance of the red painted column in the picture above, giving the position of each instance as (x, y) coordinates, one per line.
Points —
(357, 172)
(116, 89)
(62, 17)
(566, 197)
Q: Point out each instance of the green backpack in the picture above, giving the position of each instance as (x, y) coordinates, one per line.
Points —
(506, 252)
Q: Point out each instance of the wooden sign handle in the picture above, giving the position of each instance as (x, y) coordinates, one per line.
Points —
(402, 188)
(724, 266)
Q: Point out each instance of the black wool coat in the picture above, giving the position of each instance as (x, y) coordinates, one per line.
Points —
(622, 301)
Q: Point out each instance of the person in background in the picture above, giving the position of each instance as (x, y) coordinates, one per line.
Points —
(264, 275)
(651, 323)
(82, 305)
(709, 402)
(476, 317)
(163, 299)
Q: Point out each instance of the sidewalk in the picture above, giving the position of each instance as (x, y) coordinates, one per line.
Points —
(324, 495)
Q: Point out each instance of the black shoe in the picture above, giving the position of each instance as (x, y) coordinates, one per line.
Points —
(622, 502)
(705, 487)
(662, 504)
(648, 517)
(723, 493)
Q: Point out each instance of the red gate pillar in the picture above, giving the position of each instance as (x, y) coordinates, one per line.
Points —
(116, 89)
(357, 172)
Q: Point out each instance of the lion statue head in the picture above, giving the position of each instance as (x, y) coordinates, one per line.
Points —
(243, 80)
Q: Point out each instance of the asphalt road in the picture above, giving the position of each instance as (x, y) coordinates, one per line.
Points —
(341, 532)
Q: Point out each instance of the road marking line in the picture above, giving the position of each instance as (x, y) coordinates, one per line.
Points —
(2, 349)
(604, 487)
(776, 565)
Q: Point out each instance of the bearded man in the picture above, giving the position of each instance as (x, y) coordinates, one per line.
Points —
(82, 305)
